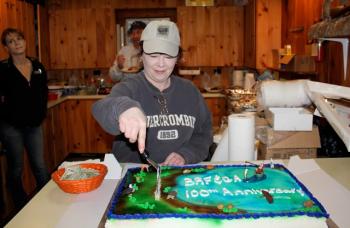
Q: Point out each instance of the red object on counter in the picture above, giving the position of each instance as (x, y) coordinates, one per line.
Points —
(52, 96)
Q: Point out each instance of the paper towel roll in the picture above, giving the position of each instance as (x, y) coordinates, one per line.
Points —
(283, 94)
(241, 136)
(238, 79)
(249, 80)
(221, 151)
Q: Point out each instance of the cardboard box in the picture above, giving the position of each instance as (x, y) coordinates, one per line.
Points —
(302, 63)
(289, 119)
(292, 62)
(282, 145)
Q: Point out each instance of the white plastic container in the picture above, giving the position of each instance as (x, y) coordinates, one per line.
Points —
(289, 119)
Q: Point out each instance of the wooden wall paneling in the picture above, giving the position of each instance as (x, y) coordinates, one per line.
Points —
(53, 37)
(330, 69)
(300, 16)
(91, 38)
(233, 36)
(11, 13)
(102, 33)
(64, 128)
(268, 31)
(66, 53)
(3, 25)
(28, 28)
(99, 140)
(49, 139)
(249, 40)
(55, 137)
(217, 107)
(203, 36)
(148, 4)
(211, 36)
(210, 48)
(110, 37)
(334, 66)
(100, 38)
(84, 33)
(43, 36)
(68, 41)
(70, 124)
(83, 132)
(60, 128)
(105, 37)
(188, 31)
(335, 62)
(82, 38)
(83, 111)
(76, 121)
(76, 38)
(58, 47)
(294, 21)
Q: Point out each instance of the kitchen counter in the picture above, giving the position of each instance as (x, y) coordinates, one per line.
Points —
(52, 103)
(80, 97)
(51, 207)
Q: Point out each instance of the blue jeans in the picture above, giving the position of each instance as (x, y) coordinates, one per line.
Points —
(14, 141)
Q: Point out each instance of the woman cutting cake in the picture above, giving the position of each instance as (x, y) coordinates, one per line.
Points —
(158, 110)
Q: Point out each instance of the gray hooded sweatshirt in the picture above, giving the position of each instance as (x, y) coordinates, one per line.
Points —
(178, 119)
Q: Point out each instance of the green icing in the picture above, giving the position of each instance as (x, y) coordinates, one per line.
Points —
(140, 177)
(230, 210)
(132, 199)
(146, 205)
(198, 170)
(135, 187)
(166, 189)
(184, 209)
(165, 174)
(248, 198)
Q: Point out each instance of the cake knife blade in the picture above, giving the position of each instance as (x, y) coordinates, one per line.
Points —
(149, 160)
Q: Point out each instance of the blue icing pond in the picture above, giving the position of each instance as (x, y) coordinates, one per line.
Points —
(226, 185)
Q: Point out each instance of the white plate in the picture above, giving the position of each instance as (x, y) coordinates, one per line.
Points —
(132, 70)
(70, 87)
(55, 87)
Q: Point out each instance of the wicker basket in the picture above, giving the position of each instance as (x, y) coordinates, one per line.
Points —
(83, 185)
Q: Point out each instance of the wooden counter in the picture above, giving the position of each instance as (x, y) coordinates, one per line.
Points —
(97, 97)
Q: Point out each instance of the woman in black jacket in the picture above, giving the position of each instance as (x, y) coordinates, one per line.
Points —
(23, 105)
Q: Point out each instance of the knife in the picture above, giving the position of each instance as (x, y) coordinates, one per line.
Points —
(145, 155)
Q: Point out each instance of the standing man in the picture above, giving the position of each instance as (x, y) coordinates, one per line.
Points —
(23, 105)
(128, 61)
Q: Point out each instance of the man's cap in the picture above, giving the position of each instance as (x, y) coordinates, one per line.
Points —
(137, 25)
(161, 37)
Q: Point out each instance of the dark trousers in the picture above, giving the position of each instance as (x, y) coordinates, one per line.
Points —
(14, 141)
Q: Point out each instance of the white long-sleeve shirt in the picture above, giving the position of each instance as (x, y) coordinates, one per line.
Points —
(131, 65)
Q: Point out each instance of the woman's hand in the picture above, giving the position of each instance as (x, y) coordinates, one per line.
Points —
(174, 159)
(132, 123)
